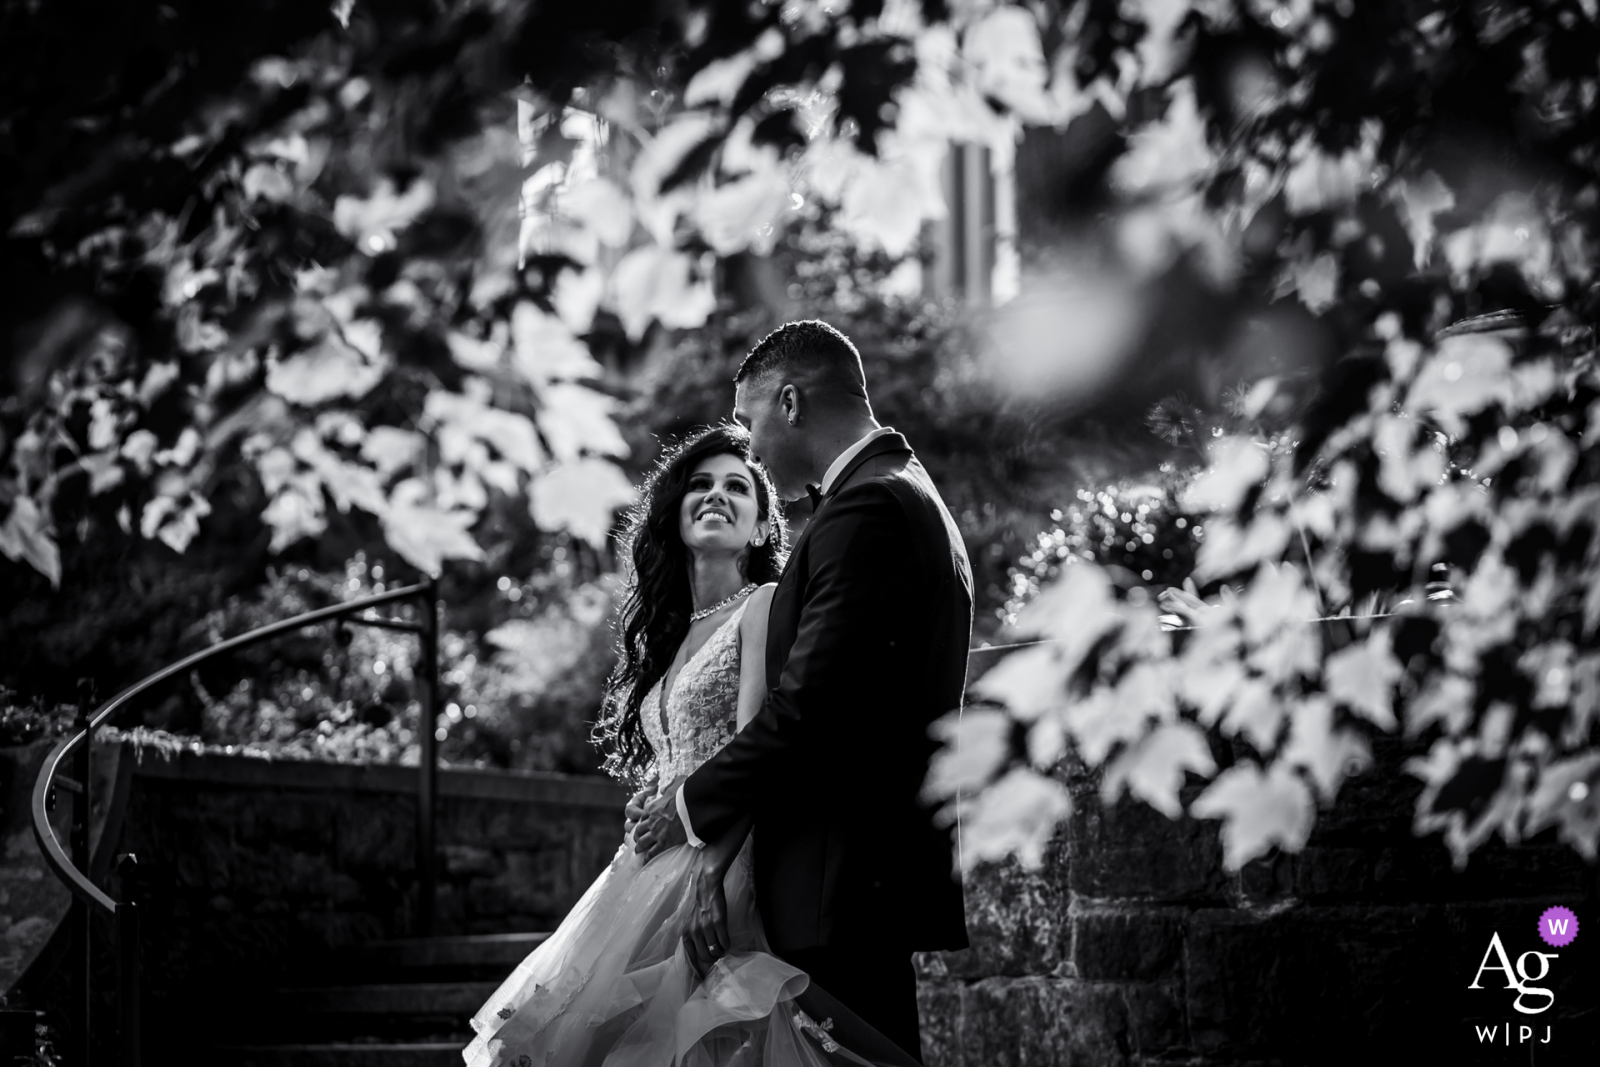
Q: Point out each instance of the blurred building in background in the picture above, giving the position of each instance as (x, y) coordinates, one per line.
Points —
(974, 254)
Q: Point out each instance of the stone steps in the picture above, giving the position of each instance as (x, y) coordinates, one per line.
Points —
(396, 1003)
(419, 1054)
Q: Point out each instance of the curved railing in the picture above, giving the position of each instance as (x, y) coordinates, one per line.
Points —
(90, 898)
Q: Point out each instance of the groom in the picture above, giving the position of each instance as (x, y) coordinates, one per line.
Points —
(866, 647)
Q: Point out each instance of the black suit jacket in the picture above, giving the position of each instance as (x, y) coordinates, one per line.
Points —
(866, 647)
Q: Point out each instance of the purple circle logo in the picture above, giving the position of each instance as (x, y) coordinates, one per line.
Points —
(1558, 926)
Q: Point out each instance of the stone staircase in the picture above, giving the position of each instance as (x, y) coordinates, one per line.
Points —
(400, 1003)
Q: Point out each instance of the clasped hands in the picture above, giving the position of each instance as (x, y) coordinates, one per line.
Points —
(653, 821)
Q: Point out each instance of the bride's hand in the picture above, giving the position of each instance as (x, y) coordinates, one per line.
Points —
(658, 828)
(705, 939)
(635, 809)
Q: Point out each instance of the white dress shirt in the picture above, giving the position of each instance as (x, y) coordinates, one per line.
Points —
(831, 475)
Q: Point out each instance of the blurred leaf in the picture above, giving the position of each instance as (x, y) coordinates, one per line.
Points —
(581, 496)
(329, 370)
(25, 537)
(1363, 677)
(1153, 770)
(977, 745)
(1328, 755)
(425, 535)
(1015, 816)
(1258, 811)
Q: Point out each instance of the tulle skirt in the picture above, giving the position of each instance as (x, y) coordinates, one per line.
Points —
(613, 986)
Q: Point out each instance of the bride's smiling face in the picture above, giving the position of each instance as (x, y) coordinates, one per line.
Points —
(719, 512)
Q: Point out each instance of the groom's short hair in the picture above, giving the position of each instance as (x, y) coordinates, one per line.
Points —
(809, 352)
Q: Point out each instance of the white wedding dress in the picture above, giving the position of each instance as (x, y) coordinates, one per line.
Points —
(613, 987)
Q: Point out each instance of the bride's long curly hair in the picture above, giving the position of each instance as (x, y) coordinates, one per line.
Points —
(657, 604)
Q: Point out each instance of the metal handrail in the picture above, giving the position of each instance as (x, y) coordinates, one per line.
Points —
(72, 870)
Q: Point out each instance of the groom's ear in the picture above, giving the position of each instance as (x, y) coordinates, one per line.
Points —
(789, 404)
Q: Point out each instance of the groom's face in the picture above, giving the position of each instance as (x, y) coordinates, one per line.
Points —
(775, 442)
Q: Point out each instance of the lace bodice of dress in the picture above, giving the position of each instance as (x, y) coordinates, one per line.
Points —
(700, 715)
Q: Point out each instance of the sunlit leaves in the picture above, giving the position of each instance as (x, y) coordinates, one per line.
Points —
(424, 534)
(581, 496)
(1327, 753)
(1259, 811)
(1015, 816)
(1363, 677)
(330, 370)
(655, 283)
(26, 536)
(977, 744)
(1154, 769)
(372, 221)
(1237, 465)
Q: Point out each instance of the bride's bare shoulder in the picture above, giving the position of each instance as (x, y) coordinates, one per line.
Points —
(753, 624)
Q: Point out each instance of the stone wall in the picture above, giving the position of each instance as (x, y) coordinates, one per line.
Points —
(1133, 946)
(248, 868)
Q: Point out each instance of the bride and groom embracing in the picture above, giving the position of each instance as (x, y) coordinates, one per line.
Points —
(774, 703)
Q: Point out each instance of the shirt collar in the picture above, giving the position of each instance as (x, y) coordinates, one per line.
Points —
(838, 465)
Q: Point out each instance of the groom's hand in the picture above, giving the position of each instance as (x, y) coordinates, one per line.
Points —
(635, 809)
(658, 828)
(705, 939)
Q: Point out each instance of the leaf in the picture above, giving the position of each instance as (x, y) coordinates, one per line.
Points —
(1257, 713)
(1258, 811)
(1402, 471)
(1169, 153)
(1153, 769)
(1319, 181)
(328, 371)
(1328, 755)
(1237, 465)
(1029, 682)
(581, 496)
(1109, 716)
(25, 537)
(1466, 374)
(719, 80)
(266, 182)
(372, 222)
(576, 296)
(1229, 550)
(1568, 796)
(176, 526)
(884, 203)
(603, 208)
(1015, 816)
(1277, 597)
(1421, 201)
(976, 746)
(1003, 48)
(744, 213)
(544, 350)
(575, 419)
(390, 449)
(1447, 698)
(653, 282)
(425, 535)
(347, 483)
(468, 418)
(1209, 687)
(105, 471)
(1363, 677)
(1316, 281)
(295, 512)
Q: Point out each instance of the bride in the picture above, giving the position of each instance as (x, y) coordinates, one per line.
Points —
(614, 985)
